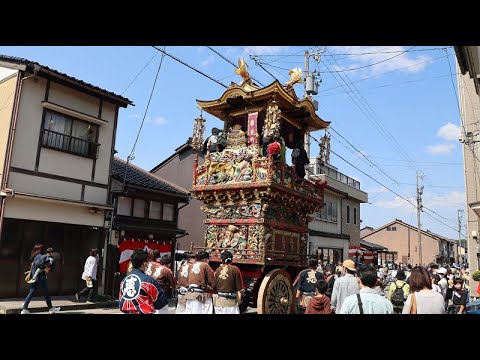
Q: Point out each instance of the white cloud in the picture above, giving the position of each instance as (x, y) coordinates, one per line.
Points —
(380, 189)
(266, 50)
(440, 149)
(452, 199)
(396, 203)
(385, 59)
(449, 131)
(158, 120)
(208, 61)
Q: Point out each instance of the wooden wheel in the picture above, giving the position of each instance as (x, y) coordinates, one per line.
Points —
(275, 295)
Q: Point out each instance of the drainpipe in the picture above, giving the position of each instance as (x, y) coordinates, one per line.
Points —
(8, 155)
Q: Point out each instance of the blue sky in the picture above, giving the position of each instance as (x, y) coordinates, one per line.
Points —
(395, 104)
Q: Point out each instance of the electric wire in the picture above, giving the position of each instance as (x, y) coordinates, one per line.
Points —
(132, 153)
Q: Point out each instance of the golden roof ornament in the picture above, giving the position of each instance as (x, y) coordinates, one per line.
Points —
(242, 71)
(296, 75)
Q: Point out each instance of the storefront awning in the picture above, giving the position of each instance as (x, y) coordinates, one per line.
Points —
(372, 246)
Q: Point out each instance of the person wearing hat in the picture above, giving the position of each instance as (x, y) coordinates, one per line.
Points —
(443, 283)
(366, 301)
(344, 286)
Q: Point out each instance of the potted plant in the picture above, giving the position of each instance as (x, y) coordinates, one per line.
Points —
(476, 275)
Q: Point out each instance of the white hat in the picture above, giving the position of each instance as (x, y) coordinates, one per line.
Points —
(442, 270)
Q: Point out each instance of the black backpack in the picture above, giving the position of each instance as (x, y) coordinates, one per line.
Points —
(398, 296)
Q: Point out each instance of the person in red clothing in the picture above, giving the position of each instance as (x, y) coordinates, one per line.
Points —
(140, 293)
(320, 303)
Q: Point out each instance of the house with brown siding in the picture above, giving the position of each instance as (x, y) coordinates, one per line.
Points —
(402, 238)
(57, 138)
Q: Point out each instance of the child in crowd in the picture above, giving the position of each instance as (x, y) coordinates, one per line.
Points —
(46, 265)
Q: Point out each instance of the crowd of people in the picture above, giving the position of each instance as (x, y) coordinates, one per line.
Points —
(396, 289)
(200, 290)
(346, 289)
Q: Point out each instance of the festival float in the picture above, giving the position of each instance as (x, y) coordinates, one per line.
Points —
(256, 205)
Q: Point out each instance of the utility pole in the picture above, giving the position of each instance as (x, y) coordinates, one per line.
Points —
(408, 255)
(307, 133)
(460, 215)
(419, 209)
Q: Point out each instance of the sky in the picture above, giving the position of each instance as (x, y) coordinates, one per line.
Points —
(393, 112)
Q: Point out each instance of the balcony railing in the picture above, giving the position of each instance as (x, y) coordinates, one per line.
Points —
(66, 143)
(334, 174)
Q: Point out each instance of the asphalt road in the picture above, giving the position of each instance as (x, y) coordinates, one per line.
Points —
(115, 311)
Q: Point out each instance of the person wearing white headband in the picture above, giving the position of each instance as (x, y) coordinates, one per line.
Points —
(228, 285)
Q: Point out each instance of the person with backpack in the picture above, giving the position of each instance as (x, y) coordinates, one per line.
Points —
(398, 292)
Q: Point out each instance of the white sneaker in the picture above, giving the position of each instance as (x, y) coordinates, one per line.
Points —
(25, 312)
(54, 310)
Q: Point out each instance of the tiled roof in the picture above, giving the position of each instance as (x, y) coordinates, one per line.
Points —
(35, 66)
(372, 245)
(138, 177)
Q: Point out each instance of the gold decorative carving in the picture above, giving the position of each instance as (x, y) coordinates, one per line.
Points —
(271, 126)
(295, 77)
(242, 71)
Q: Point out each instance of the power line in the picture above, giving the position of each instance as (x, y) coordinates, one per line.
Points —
(191, 67)
(230, 62)
(361, 153)
(470, 145)
(391, 71)
(418, 162)
(136, 76)
(381, 127)
(375, 52)
(365, 66)
(438, 186)
(392, 191)
(132, 153)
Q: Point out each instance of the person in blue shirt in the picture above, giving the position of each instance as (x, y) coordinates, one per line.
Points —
(48, 262)
(39, 258)
(367, 301)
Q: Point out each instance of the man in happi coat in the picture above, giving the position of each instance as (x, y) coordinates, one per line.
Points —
(228, 284)
(182, 281)
(200, 285)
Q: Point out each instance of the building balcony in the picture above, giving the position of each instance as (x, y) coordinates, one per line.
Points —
(338, 181)
(69, 144)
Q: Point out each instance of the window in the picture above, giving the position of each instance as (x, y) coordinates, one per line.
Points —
(328, 212)
(348, 214)
(391, 228)
(155, 210)
(355, 216)
(124, 206)
(139, 208)
(65, 133)
(168, 212)
(324, 211)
